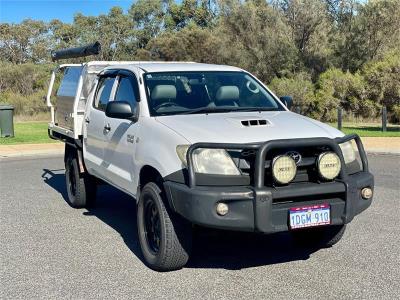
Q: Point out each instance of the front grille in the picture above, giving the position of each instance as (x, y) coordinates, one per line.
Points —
(306, 168)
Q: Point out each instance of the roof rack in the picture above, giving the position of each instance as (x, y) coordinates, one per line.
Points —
(91, 49)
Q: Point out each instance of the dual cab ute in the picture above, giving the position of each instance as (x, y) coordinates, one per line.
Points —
(203, 144)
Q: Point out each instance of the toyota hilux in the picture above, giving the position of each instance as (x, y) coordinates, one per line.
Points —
(206, 145)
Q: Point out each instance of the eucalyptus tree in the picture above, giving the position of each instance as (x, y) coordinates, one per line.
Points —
(201, 13)
(310, 30)
(365, 31)
(112, 31)
(148, 20)
(24, 42)
(253, 35)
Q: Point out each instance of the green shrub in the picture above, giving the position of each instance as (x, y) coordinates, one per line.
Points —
(24, 87)
(395, 118)
(25, 104)
(301, 89)
(336, 88)
(383, 83)
(25, 78)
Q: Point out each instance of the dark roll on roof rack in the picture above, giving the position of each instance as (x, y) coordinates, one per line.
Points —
(91, 49)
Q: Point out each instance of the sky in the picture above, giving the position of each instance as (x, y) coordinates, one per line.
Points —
(14, 11)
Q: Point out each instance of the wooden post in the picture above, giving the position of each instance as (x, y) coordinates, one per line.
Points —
(384, 118)
(339, 118)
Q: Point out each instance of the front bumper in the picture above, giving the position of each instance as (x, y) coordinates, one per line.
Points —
(266, 209)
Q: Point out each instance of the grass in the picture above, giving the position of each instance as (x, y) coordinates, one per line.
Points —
(28, 133)
(370, 130)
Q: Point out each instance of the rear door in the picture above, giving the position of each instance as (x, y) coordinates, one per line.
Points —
(119, 152)
(96, 135)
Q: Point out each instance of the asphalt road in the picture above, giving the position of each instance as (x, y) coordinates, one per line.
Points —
(49, 250)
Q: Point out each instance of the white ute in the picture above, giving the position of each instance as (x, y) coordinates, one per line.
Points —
(206, 145)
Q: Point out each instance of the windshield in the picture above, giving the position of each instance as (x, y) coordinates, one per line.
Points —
(206, 92)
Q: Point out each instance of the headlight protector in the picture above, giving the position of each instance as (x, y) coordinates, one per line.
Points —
(348, 152)
(181, 151)
(209, 161)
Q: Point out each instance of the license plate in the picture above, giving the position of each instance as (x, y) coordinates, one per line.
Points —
(309, 216)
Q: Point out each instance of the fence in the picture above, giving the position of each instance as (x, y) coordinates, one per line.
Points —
(343, 115)
(383, 114)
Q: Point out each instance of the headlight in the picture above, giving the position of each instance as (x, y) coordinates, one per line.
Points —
(349, 154)
(284, 169)
(209, 161)
(329, 165)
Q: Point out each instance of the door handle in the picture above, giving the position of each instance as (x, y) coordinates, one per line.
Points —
(87, 120)
(107, 127)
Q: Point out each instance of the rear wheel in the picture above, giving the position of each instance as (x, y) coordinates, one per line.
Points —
(81, 187)
(325, 236)
(165, 238)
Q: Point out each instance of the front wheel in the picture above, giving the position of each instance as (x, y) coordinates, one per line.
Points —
(165, 238)
(325, 236)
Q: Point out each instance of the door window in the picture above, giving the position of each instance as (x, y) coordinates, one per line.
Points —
(127, 91)
(103, 94)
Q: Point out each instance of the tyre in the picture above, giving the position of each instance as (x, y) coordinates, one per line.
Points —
(165, 238)
(81, 188)
(319, 237)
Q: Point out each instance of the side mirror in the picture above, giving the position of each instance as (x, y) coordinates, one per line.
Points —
(288, 100)
(120, 110)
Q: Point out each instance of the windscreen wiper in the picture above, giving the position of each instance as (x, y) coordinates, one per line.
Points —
(226, 109)
(254, 108)
(207, 110)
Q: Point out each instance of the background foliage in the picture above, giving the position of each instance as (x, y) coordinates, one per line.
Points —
(325, 53)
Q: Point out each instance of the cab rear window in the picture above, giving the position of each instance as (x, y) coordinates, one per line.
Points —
(70, 81)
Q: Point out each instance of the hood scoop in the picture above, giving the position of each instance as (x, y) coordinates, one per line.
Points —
(249, 121)
(255, 122)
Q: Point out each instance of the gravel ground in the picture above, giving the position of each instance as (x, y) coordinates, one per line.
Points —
(49, 250)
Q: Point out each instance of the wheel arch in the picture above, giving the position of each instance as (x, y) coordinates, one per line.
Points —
(72, 150)
(148, 174)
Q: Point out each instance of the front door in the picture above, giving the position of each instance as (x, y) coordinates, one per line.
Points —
(119, 153)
